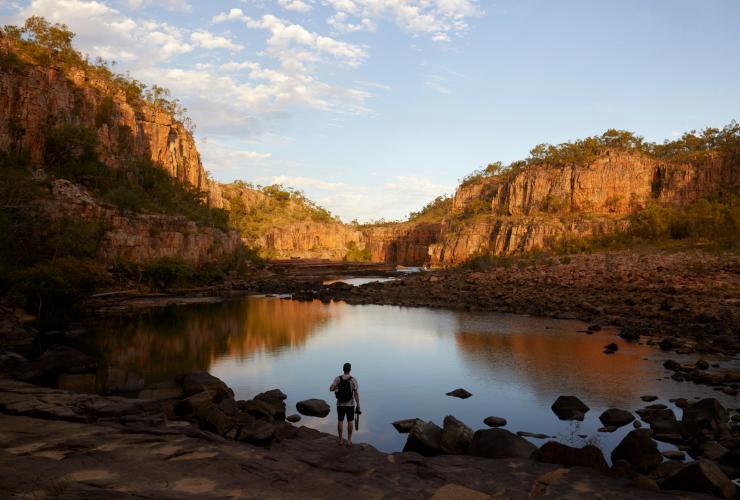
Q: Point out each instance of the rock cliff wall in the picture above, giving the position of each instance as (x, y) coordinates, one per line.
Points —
(142, 238)
(35, 99)
(542, 203)
(405, 244)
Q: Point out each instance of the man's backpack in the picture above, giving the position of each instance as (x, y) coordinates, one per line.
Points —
(344, 390)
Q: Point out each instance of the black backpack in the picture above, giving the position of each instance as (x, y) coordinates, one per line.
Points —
(344, 390)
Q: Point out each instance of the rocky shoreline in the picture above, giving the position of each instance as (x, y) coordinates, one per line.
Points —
(190, 437)
(690, 297)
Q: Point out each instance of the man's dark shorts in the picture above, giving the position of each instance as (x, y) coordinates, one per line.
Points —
(349, 411)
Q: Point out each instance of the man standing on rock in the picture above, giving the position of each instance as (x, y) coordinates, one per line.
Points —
(346, 390)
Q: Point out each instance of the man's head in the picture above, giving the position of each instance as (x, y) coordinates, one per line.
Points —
(347, 368)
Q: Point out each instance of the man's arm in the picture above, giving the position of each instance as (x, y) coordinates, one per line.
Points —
(357, 393)
(333, 386)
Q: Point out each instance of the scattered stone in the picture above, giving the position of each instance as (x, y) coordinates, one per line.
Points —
(616, 417)
(553, 452)
(404, 426)
(706, 416)
(636, 424)
(424, 438)
(500, 443)
(313, 408)
(611, 347)
(494, 421)
(668, 343)
(674, 454)
(569, 408)
(594, 328)
(649, 415)
(293, 418)
(701, 477)
(629, 334)
(609, 428)
(456, 436)
(639, 450)
(532, 435)
(702, 365)
(459, 393)
(648, 399)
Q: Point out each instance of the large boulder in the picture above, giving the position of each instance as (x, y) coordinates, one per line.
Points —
(275, 398)
(639, 449)
(456, 436)
(424, 438)
(553, 452)
(313, 408)
(614, 417)
(569, 408)
(210, 416)
(254, 431)
(500, 443)
(707, 417)
(196, 382)
(701, 476)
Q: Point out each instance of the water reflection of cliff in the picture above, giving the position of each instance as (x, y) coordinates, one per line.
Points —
(557, 361)
(177, 340)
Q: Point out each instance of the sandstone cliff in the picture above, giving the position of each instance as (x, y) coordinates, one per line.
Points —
(541, 203)
(141, 238)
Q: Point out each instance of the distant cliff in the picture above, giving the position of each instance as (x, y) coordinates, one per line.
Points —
(532, 206)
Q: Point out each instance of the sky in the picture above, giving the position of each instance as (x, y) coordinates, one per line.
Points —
(375, 107)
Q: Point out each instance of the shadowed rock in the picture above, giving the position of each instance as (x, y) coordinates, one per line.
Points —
(313, 408)
(424, 438)
(404, 426)
(196, 382)
(456, 436)
(701, 477)
(494, 421)
(639, 450)
(553, 452)
(614, 417)
(459, 393)
(500, 443)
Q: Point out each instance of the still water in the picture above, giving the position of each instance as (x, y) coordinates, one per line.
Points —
(405, 360)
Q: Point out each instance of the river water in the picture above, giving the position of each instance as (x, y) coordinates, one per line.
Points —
(405, 360)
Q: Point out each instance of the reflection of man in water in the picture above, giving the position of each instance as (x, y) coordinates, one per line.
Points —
(346, 389)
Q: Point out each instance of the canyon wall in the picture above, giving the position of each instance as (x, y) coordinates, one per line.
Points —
(141, 238)
(35, 99)
(538, 205)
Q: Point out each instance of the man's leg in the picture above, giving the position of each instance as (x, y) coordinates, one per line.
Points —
(350, 423)
(340, 416)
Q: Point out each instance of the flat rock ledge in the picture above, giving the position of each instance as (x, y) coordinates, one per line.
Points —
(47, 451)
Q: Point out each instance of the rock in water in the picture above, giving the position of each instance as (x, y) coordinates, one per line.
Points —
(424, 438)
(649, 399)
(313, 408)
(293, 418)
(404, 426)
(459, 393)
(500, 443)
(553, 452)
(701, 476)
(456, 436)
(494, 421)
(614, 417)
(569, 408)
(639, 450)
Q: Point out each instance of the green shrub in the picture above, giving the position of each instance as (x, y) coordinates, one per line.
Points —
(52, 289)
(355, 254)
(167, 272)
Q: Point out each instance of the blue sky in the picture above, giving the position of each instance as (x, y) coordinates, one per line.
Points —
(374, 107)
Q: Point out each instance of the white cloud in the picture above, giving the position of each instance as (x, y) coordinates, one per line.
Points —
(208, 40)
(296, 5)
(221, 159)
(174, 5)
(339, 22)
(437, 19)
